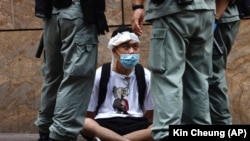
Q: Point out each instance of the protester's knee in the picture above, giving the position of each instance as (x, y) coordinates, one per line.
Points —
(90, 124)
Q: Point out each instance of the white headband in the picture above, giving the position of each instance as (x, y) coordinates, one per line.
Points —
(121, 38)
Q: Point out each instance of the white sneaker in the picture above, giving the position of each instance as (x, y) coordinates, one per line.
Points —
(96, 139)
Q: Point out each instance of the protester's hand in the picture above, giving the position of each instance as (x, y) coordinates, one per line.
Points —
(137, 21)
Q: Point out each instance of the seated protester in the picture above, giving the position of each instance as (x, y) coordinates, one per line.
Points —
(121, 116)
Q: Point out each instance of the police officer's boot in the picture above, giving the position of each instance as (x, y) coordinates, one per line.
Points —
(43, 136)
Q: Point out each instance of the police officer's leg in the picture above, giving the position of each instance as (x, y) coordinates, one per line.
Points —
(198, 68)
(51, 70)
(219, 100)
(78, 49)
(167, 63)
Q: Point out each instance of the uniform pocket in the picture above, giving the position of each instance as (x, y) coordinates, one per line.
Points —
(86, 58)
(156, 61)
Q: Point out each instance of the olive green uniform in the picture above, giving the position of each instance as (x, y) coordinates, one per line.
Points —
(69, 70)
(225, 34)
(180, 59)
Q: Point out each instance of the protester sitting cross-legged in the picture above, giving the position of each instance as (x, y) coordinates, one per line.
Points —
(126, 112)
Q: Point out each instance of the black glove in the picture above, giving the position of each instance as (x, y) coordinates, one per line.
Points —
(88, 10)
(101, 24)
(157, 2)
(43, 8)
(101, 21)
(94, 13)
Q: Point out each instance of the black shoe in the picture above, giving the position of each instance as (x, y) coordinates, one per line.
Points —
(165, 139)
(43, 136)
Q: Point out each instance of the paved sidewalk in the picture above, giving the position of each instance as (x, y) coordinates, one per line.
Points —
(23, 137)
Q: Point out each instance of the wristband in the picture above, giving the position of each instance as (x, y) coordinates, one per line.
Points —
(135, 6)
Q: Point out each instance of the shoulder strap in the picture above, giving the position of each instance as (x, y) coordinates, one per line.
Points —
(141, 83)
(103, 84)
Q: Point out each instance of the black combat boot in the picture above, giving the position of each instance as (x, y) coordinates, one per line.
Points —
(43, 136)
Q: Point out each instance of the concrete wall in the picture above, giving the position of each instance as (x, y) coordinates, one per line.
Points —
(20, 77)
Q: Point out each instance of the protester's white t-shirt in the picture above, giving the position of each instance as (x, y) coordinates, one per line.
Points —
(121, 90)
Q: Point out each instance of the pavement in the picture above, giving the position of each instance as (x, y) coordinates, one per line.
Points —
(23, 137)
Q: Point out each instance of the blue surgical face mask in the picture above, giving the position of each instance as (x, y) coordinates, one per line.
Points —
(129, 60)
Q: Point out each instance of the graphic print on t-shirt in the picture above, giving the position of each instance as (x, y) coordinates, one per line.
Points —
(120, 103)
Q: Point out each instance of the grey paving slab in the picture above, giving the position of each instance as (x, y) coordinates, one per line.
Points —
(23, 137)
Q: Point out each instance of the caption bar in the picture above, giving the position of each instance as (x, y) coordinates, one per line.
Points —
(217, 132)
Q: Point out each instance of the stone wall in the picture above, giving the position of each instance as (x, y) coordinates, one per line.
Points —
(20, 76)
